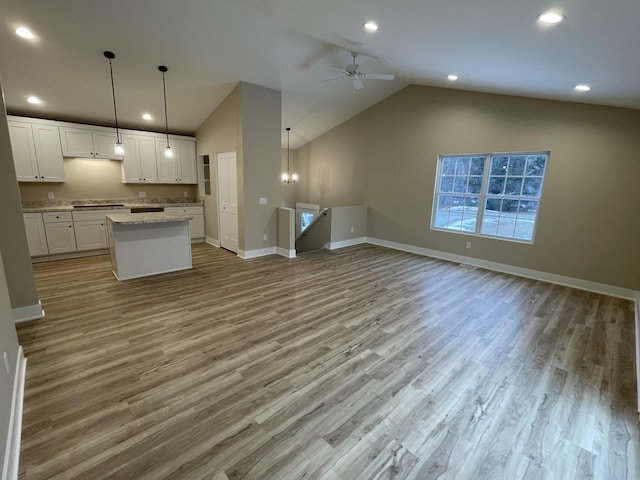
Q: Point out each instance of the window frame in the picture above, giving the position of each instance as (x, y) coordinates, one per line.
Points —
(482, 196)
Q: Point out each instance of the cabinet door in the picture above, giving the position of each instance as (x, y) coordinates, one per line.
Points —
(131, 171)
(76, 142)
(60, 237)
(148, 161)
(187, 161)
(196, 226)
(167, 167)
(91, 234)
(48, 152)
(36, 237)
(103, 145)
(24, 152)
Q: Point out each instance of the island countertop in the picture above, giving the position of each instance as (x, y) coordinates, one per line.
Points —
(149, 217)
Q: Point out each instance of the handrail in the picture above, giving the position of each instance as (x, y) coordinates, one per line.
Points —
(304, 233)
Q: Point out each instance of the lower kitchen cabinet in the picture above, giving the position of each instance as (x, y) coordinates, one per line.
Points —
(36, 237)
(61, 237)
(91, 235)
(196, 224)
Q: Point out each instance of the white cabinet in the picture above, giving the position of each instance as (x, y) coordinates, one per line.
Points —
(37, 239)
(36, 150)
(139, 163)
(59, 230)
(181, 168)
(196, 224)
(87, 143)
(91, 228)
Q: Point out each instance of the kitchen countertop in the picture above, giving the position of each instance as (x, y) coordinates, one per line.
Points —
(69, 208)
(148, 217)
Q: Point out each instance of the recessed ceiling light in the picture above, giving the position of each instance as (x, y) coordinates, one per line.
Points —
(582, 87)
(371, 26)
(147, 116)
(452, 78)
(34, 100)
(551, 17)
(24, 32)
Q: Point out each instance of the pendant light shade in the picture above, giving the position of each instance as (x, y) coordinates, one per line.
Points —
(118, 148)
(168, 151)
(289, 177)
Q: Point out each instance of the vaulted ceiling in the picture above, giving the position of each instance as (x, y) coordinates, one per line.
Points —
(295, 46)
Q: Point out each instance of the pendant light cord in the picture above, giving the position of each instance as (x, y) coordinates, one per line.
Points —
(288, 150)
(115, 111)
(166, 119)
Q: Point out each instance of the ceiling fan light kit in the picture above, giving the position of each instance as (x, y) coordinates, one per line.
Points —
(353, 73)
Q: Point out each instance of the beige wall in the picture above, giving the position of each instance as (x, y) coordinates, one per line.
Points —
(286, 228)
(13, 238)
(343, 219)
(386, 158)
(99, 180)
(261, 166)
(221, 132)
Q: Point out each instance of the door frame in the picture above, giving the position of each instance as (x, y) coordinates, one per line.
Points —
(218, 200)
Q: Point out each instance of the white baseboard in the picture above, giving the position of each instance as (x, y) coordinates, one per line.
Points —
(347, 243)
(260, 252)
(65, 256)
(12, 452)
(212, 241)
(578, 283)
(286, 253)
(30, 312)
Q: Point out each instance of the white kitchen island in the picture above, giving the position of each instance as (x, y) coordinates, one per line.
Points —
(143, 244)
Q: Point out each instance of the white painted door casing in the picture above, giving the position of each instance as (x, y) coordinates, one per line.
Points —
(228, 204)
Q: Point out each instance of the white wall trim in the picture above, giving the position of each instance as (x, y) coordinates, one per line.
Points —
(260, 252)
(637, 311)
(12, 453)
(213, 241)
(30, 312)
(578, 283)
(286, 253)
(347, 243)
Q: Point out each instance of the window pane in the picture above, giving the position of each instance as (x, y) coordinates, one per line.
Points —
(532, 187)
(527, 207)
(510, 206)
(446, 185)
(448, 166)
(513, 186)
(490, 222)
(516, 165)
(506, 227)
(493, 204)
(496, 185)
(475, 185)
(524, 229)
(535, 164)
(462, 166)
(477, 166)
(460, 185)
(499, 165)
(442, 210)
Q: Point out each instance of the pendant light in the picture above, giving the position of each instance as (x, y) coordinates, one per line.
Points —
(288, 177)
(118, 148)
(168, 151)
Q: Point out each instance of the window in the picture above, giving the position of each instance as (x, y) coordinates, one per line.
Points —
(495, 195)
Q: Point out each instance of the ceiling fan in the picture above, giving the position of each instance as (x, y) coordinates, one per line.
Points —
(353, 73)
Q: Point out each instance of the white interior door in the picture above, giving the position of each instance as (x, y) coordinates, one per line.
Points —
(228, 204)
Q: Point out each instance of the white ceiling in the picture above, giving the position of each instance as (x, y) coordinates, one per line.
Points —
(288, 45)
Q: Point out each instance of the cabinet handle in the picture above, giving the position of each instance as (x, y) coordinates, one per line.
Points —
(70, 226)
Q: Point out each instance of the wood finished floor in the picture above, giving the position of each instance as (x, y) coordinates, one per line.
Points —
(369, 364)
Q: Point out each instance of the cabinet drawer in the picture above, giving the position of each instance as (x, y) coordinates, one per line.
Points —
(55, 217)
(188, 210)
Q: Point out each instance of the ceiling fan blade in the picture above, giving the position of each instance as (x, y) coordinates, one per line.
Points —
(335, 69)
(331, 79)
(357, 84)
(379, 76)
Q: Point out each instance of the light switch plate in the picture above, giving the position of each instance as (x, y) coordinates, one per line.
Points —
(142, 194)
(263, 200)
(51, 195)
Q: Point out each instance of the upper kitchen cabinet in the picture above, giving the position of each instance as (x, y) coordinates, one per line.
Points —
(88, 143)
(37, 153)
(181, 168)
(139, 164)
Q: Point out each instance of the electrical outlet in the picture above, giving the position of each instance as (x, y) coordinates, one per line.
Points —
(351, 229)
(142, 194)
(468, 244)
(51, 195)
(263, 200)
(185, 194)
(7, 366)
(265, 236)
